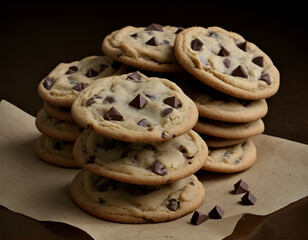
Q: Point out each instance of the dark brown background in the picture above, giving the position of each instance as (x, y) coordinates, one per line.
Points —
(36, 37)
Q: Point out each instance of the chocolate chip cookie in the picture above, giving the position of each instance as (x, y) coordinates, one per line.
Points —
(58, 112)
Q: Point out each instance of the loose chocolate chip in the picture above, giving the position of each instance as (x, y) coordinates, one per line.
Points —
(152, 97)
(239, 72)
(80, 86)
(109, 100)
(240, 187)
(265, 77)
(159, 169)
(258, 61)
(72, 69)
(172, 102)
(242, 46)
(198, 218)
(135, 76)
(91, 73)
(227, 62)
(216, 213)
(138, 102)
(48, 83)
(113, 114)
(166, 111)
(152, 42)
(223, 52)
(107, 144)
(134, 35)
(173, 205)
(196, 44)
(90, 160)
(213, 34)
(180, 29)
(248, 199)
(154, 27)
(144, 123)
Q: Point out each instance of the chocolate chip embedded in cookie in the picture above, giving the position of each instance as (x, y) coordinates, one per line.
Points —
(139, 109)
(227, 62)
(149, 48)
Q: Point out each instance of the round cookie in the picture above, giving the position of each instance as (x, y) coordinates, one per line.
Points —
(141, 163)
(215, 142)
(148, 48)
(56, 152)
(231, 159)
(63, 83)
(227, 62)
(54, 128)
(127, 203)
(229, 130)
(57, 112)
(135, 108)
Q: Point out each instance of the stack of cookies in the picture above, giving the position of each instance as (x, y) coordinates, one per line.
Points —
(58, 90)
(137, 151)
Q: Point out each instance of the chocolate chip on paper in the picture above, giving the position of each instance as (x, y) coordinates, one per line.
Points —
(216, 213)
(248, 199)
(240, 187)
(198, 218)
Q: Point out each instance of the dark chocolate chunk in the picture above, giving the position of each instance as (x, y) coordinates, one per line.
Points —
(113, 114)
(223, 52)
(80, 86)
(152, 97)
(72, 69)
(109, 100)
(154, 27)
(196, 44)
(134, 76)
(92, 100)
(173, 204)
(258, 61)
(144, 123)
(242, 46)
(227, 62)
(172, 102)
(239, 72)
(90, 160)
(138, 102)
(248, 199)
(180, 29)
(198, 218)
(213, 34)
(159, 169)
(240, 187)
(48, 83)
(107, 144)
(216, 213)
(134, 35)
(91, 73)
(265, 77)
(152, 42)
(166, 111)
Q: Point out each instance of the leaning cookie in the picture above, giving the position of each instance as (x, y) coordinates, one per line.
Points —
(135, 108)
(57, 112)
(148, 48)
(227, 62)
(127, 203)
(63, 83)
(56, 152)
(231, 159)
(141, 163)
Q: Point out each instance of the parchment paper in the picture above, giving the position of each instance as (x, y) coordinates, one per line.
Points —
(39, 190)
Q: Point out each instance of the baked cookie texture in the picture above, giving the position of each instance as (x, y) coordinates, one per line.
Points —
(148, 48)
(227, 62)
(58, 112)
(127, 203)
(141, 163)
(135, 108)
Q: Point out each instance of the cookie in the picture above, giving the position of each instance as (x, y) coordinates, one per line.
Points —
(141, 163)
(54, 128)
(57, 112)
(227, 62)
(219, 106)
(228, 129)
(149, 48)
(56, 152)
(127, 203)
(231, 159)
(216, 142)
(135, 108)
(63, 83)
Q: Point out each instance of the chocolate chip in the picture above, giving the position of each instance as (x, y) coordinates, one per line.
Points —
(113, 114)
(240, 187)
(163, 135)
(223, 52)
(90, 159)
(138, 102)
(135, 76)
(144, 123)
(166, 111)
(107, 144)
(180, 29)
(72, 69)
(239, 72)
(213, 34)
(48, 83)
(159, 169)
(265, 77)
(227, 62)
(154, 27)
(134, 35)
(258, 61)
(196, 44)
(216, 213)
(109, 100)
(248, 199)
(92, 100)
(152, 42)
(242, 46)
(91, 73)
(172, 102)
(198, 218)
(173, 204)
(80, 86)
(152, 97)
